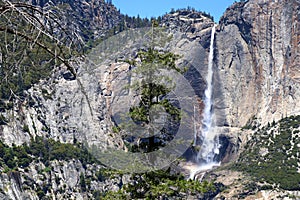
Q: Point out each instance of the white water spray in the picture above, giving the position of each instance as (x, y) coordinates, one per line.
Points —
(210, 145)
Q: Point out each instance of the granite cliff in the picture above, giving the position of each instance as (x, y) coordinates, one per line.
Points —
(257, 62)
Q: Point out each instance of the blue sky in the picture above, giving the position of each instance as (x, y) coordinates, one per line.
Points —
(154, 8)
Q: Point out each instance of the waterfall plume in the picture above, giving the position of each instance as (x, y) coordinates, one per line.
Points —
(210, 145)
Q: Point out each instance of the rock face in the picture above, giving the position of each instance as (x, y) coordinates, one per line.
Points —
(257, 62)
(59, 180)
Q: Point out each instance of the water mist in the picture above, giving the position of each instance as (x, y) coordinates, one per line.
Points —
(210, 145)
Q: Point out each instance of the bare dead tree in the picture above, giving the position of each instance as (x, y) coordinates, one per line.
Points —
(32, 40)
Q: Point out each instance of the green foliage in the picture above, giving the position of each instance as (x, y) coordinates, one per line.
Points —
(102, 174)
(154, 185)
(3, 120)
(139, 113)
(149, 92)
(49, 149)
(153, 89)
(279, 164)
(97, 194)
(44, 150)
(26, 128)
(250, 124)
(115, 129)
(47, 169)
(119, 195)
(82, 182)
(150, 185)
(158, 59)
(172, 110)
(40, 193)
(15, 156)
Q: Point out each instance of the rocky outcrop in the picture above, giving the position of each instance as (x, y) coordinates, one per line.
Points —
(60, 180)
(188, 21)
(257, 62)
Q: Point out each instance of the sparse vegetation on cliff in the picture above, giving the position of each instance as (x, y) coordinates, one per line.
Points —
(272, 155)
(42, 149)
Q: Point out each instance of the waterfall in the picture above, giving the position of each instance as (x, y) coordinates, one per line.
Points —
(210, 145)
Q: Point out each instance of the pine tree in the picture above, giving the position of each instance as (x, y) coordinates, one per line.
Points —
(152, 86)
